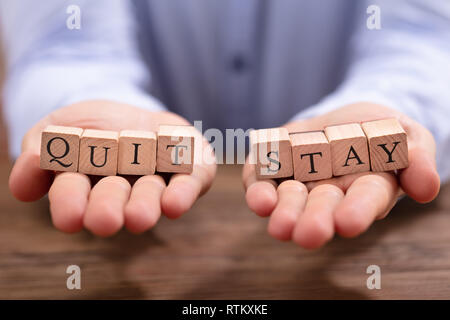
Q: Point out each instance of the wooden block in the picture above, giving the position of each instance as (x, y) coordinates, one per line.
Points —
(175, 150)
(60, 148)
(311, 154)
(349, 150)
(272, 153)
(98, 152)
(388, 145)
(137, 152)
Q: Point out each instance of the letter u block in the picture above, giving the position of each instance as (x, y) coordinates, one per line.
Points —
(60, 148)
(311, 155)
(271, 152)
(99, 152)
(175, 150)
(388, 145)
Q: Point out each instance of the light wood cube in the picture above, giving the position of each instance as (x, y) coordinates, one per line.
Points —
(60, 148)
(388, 145)
(137, 152)
(175, 150)
(349, 149)
(272, 153)
(311, 155)
(99, 152)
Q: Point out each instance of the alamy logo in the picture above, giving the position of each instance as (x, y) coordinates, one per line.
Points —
(74, 280)
(373, 22)
(374, 281)
(74, 20)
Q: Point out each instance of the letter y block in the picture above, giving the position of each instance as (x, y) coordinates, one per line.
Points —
(388, 145)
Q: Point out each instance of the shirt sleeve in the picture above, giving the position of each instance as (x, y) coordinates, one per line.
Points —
(50, 64)
(404, 65)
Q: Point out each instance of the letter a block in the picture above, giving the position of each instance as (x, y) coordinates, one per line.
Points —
(388, 145)
(137, 152)
(60, 148)
(271, 151)
(349, 150)
(311, 155)
(98, 152)
(175, 151)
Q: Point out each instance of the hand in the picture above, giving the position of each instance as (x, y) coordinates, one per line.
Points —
(112, 202)
(310, 213)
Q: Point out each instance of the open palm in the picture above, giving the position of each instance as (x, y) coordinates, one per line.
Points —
(104, 206)
(311, 213)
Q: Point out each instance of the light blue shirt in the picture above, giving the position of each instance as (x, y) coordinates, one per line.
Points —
(233, 63)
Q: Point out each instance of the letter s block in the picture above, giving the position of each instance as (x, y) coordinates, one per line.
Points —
(271, 152)
(311, 154)
(98, 152)
(388, 145)
(175, 150)
(60, 148)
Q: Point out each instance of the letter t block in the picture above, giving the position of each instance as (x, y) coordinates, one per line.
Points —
(175, 151)
(271, 152)
(311, 155)
(388, 145)
(60, 148)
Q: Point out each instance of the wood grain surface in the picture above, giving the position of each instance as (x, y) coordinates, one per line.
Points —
(222, 250)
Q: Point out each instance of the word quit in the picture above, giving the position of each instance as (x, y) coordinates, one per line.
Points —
(107, 153)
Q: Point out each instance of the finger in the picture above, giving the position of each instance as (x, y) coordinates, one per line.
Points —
(316, 225)
(291, 201)
(261, 196)
(27, 181)
(368, 198)
(144, 206)
(105, 210)
(421, 179)
(68, 198)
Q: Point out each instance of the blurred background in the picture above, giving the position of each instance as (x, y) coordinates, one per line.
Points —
(3, 138)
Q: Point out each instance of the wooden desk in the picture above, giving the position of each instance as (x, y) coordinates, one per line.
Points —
(221, 250)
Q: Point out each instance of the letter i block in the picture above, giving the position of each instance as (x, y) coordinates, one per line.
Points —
(311, 154)
(98, 152)
(137, 152)
(349, 150)
(388, 145)
(175, 151)
(271, 151)
(60, 148)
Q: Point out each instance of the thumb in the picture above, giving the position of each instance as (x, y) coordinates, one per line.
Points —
(420, 180)
(27, 181)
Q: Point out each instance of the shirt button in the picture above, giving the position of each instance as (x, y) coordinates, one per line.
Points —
(238, 64)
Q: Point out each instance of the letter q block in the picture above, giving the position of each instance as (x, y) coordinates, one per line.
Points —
(60, 148)
(175, 150)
